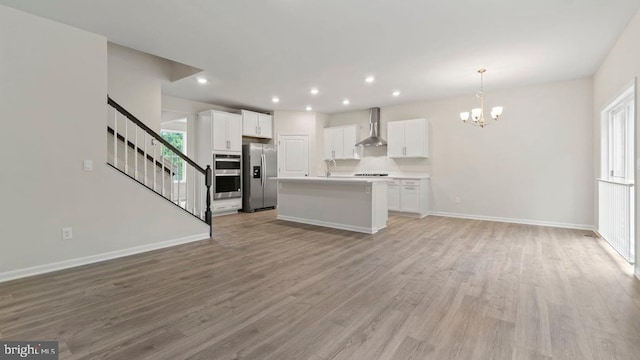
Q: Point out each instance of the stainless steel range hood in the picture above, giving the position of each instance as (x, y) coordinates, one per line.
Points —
(374, 138)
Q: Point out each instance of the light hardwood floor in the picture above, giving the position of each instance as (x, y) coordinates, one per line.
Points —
(433, 288)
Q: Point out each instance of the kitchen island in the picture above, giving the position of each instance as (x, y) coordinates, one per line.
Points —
(341, 203)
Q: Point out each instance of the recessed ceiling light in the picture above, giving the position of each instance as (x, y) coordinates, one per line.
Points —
(396, 93)
(345, 102)
(314, 91)
(309, 108)
(369, 79)
(275, 99)
(202, 80)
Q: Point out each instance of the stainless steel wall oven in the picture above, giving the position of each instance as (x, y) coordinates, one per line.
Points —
(227, 176)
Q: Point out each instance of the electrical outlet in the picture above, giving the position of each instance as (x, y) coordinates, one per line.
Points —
(87, 165)
(457, 199)
(67, 233)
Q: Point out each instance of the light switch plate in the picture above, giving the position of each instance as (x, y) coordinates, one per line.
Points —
(87, 165)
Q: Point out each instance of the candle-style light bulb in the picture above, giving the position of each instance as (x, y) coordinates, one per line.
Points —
(476, 113)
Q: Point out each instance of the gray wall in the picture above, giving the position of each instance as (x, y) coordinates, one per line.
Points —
(53, 105)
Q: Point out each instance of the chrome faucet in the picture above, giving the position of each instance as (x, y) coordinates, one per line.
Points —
(328, 172)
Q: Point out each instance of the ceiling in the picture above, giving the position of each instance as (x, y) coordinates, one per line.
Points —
(253, 50)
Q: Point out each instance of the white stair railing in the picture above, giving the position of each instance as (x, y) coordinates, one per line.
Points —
(616, 216)
(164, 169)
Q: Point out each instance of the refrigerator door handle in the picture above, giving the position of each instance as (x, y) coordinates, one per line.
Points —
(263, 163)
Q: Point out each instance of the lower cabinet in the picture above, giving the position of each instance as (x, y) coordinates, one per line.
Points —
(226, 206)
(393, 195)
(408, 196)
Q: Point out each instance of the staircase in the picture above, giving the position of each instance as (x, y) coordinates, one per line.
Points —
(143, 155)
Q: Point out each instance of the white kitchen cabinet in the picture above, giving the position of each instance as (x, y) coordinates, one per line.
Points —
(340, 141)
(234, 132)
(393, 195)
(408, 196)
(204, 145)
(407, 139)
(257, 125)
(265, 126)
(217, 131)
(349, 140)
(226, 206)
(227, 132)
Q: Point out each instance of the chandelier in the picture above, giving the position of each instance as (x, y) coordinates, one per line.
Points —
(477, 114)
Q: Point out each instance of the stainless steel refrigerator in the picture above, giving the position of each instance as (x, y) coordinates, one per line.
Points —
(259, 164)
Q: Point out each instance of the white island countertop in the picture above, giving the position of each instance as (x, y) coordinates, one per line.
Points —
(354, 203)
(332, 179)
(390, 176)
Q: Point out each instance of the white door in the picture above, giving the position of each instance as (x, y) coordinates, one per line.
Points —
(393, 197)
(219, 129)
(328, 143)
(349, 140)
(415, 135)
(395, 139)
(409, 199)
(265, 126)
(234, 132)
(338, 143)
(249, 123)
(293, 155)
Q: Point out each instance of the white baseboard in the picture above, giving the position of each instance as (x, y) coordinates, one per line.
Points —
(66, 264)
(359, 229)
(517, 221)
(408, 214)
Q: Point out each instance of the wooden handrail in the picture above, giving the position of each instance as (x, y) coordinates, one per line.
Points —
(140, 151)
(154, 134)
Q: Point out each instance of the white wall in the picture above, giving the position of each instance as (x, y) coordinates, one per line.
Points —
(620, 68)
(373, 158)
(534, 164)
(53, 97)
(303, 122)
(135, 79)
(190, 109)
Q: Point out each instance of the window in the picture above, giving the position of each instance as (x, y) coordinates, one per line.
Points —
(179, 140)
(618, 142)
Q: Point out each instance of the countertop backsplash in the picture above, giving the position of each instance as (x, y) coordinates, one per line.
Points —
(378, 163)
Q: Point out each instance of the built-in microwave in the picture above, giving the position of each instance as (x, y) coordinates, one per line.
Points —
(226, 162)
(227, 176)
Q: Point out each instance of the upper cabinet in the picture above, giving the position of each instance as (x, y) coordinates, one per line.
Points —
(257, 125)
(218, 131)
(340, 141)
(407, 139)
